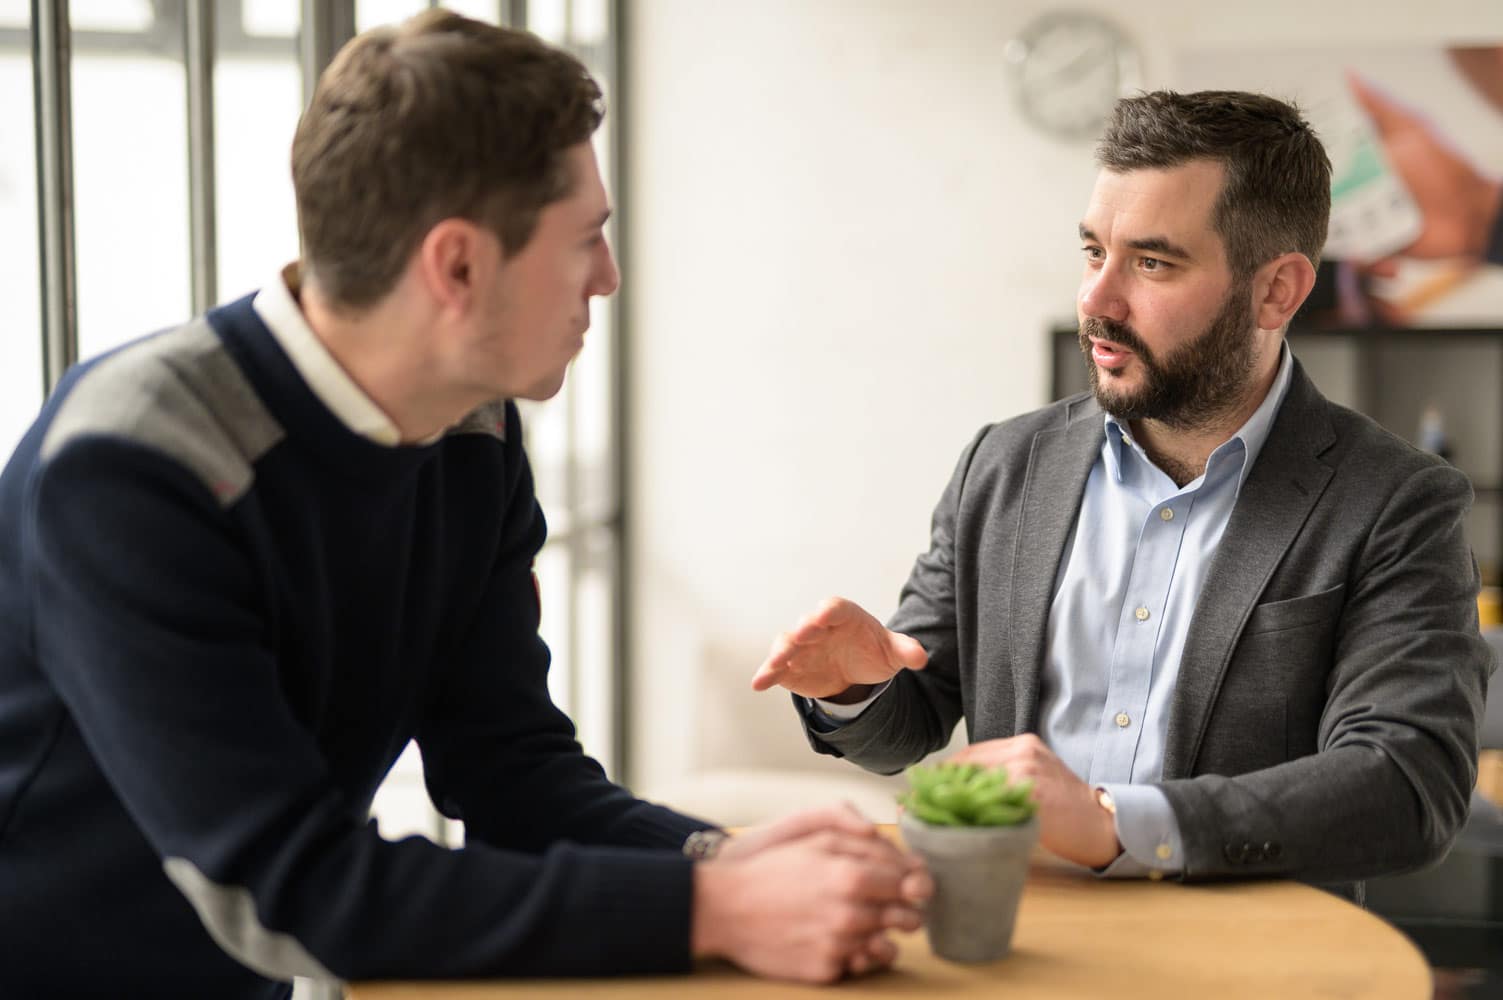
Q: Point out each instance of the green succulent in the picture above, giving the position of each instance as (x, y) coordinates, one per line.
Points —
(951, 794)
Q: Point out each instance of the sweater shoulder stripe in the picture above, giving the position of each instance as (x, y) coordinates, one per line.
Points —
(179, 393)
(228, 913)
(490, 418)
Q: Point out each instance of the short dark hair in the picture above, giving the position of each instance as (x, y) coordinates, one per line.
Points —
(1277, 193)
(438, 117)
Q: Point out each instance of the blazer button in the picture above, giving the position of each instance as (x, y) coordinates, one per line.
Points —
(1272, 850)
(1234, 853)
(1252, 853)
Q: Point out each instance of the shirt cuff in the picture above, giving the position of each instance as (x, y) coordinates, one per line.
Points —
(1148, 831)
(835, 715)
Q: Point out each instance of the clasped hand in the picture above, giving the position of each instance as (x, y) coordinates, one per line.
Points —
(1072, 824)
(810, 897)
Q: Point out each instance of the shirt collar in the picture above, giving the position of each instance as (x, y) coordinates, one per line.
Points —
(1248, 439)
(276, 304)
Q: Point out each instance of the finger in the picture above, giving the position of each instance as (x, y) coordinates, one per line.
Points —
(776, 666)
(876, 952)
(917, 887)
(869, 880)
(871, 871)
(881, 951)
(836, 611)
(898, 917)
(843, 818)
(767, 675)
(1387, 114)
(991, 753)
(872, 848)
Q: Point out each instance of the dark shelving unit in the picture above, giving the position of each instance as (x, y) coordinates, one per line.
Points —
(1393, 375)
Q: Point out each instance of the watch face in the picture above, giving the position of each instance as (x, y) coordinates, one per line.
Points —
(1069, 69)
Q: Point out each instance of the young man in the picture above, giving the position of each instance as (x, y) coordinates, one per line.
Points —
(243, 562)
(1226, 626)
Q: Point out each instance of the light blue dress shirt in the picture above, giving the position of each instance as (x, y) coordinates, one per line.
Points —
(1128, 583)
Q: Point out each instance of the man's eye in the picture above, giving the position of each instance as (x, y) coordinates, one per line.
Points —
(1092, 253)
(1154, 264)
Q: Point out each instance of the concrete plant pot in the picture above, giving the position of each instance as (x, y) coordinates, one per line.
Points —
(979, 873)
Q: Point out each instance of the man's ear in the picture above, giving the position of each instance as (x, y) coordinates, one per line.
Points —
(450, 259)
(1280, 287)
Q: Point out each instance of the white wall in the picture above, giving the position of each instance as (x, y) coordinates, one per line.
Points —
(846, 247)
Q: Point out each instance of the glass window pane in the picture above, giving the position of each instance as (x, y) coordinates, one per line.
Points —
(488, 11)
(546, 426)
(593, 399)
(257, 99)
(20, 273)
(15, 14)
(109, 15)
(274, 18)
(549, 19)
(402, 807)
(590, 22)
(371, 13)
(130, 187)
(595, 652)
(555, 589)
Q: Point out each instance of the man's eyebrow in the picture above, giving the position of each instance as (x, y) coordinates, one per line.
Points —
(1160, 245)
(1153, 244)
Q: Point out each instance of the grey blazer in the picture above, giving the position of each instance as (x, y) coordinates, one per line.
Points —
(1325, 721)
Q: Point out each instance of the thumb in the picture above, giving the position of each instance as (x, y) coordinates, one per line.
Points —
(843, 816)
(907, 651)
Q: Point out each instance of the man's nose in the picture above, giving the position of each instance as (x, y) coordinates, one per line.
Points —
(1101, 296)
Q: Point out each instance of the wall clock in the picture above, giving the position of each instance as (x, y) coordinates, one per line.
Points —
(1069, 68)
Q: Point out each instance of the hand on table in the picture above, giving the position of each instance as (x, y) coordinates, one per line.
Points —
(1072, 823)
(839, 648)
(810, 897)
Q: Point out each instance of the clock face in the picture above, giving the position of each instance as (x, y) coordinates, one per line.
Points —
(1070, 68)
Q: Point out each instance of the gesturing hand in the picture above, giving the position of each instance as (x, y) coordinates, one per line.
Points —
(1071, 822)
(839, 646)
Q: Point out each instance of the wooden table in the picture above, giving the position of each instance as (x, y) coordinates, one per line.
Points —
(1079, 936)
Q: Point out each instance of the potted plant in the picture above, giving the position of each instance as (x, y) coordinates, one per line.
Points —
(974, 829)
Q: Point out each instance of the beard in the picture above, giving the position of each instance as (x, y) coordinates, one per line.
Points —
(1191, 388)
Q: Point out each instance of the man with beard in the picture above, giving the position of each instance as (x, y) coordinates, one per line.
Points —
(1225, 626)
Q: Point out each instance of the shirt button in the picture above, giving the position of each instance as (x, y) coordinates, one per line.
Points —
(1122, 719)
(1154, 875)
(1141, 614)
(1167, 513)
(1163, 852)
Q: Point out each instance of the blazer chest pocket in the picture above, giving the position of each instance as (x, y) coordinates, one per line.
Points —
(1297, 612)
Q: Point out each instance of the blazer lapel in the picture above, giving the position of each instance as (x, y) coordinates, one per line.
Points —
(1058, 464)
(1282, 488)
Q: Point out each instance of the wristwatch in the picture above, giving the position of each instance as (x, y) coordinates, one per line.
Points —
(702, 845)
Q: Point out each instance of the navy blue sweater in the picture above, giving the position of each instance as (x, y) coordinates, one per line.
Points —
(222, 617)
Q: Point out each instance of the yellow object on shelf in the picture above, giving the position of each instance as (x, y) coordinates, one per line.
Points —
(1490, 607)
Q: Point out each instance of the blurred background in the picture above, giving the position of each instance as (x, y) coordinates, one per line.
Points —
(847, 232)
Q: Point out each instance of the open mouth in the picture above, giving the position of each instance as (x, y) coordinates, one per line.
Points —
(1108, 354)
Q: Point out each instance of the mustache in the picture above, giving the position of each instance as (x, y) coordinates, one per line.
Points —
(1117, 333)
